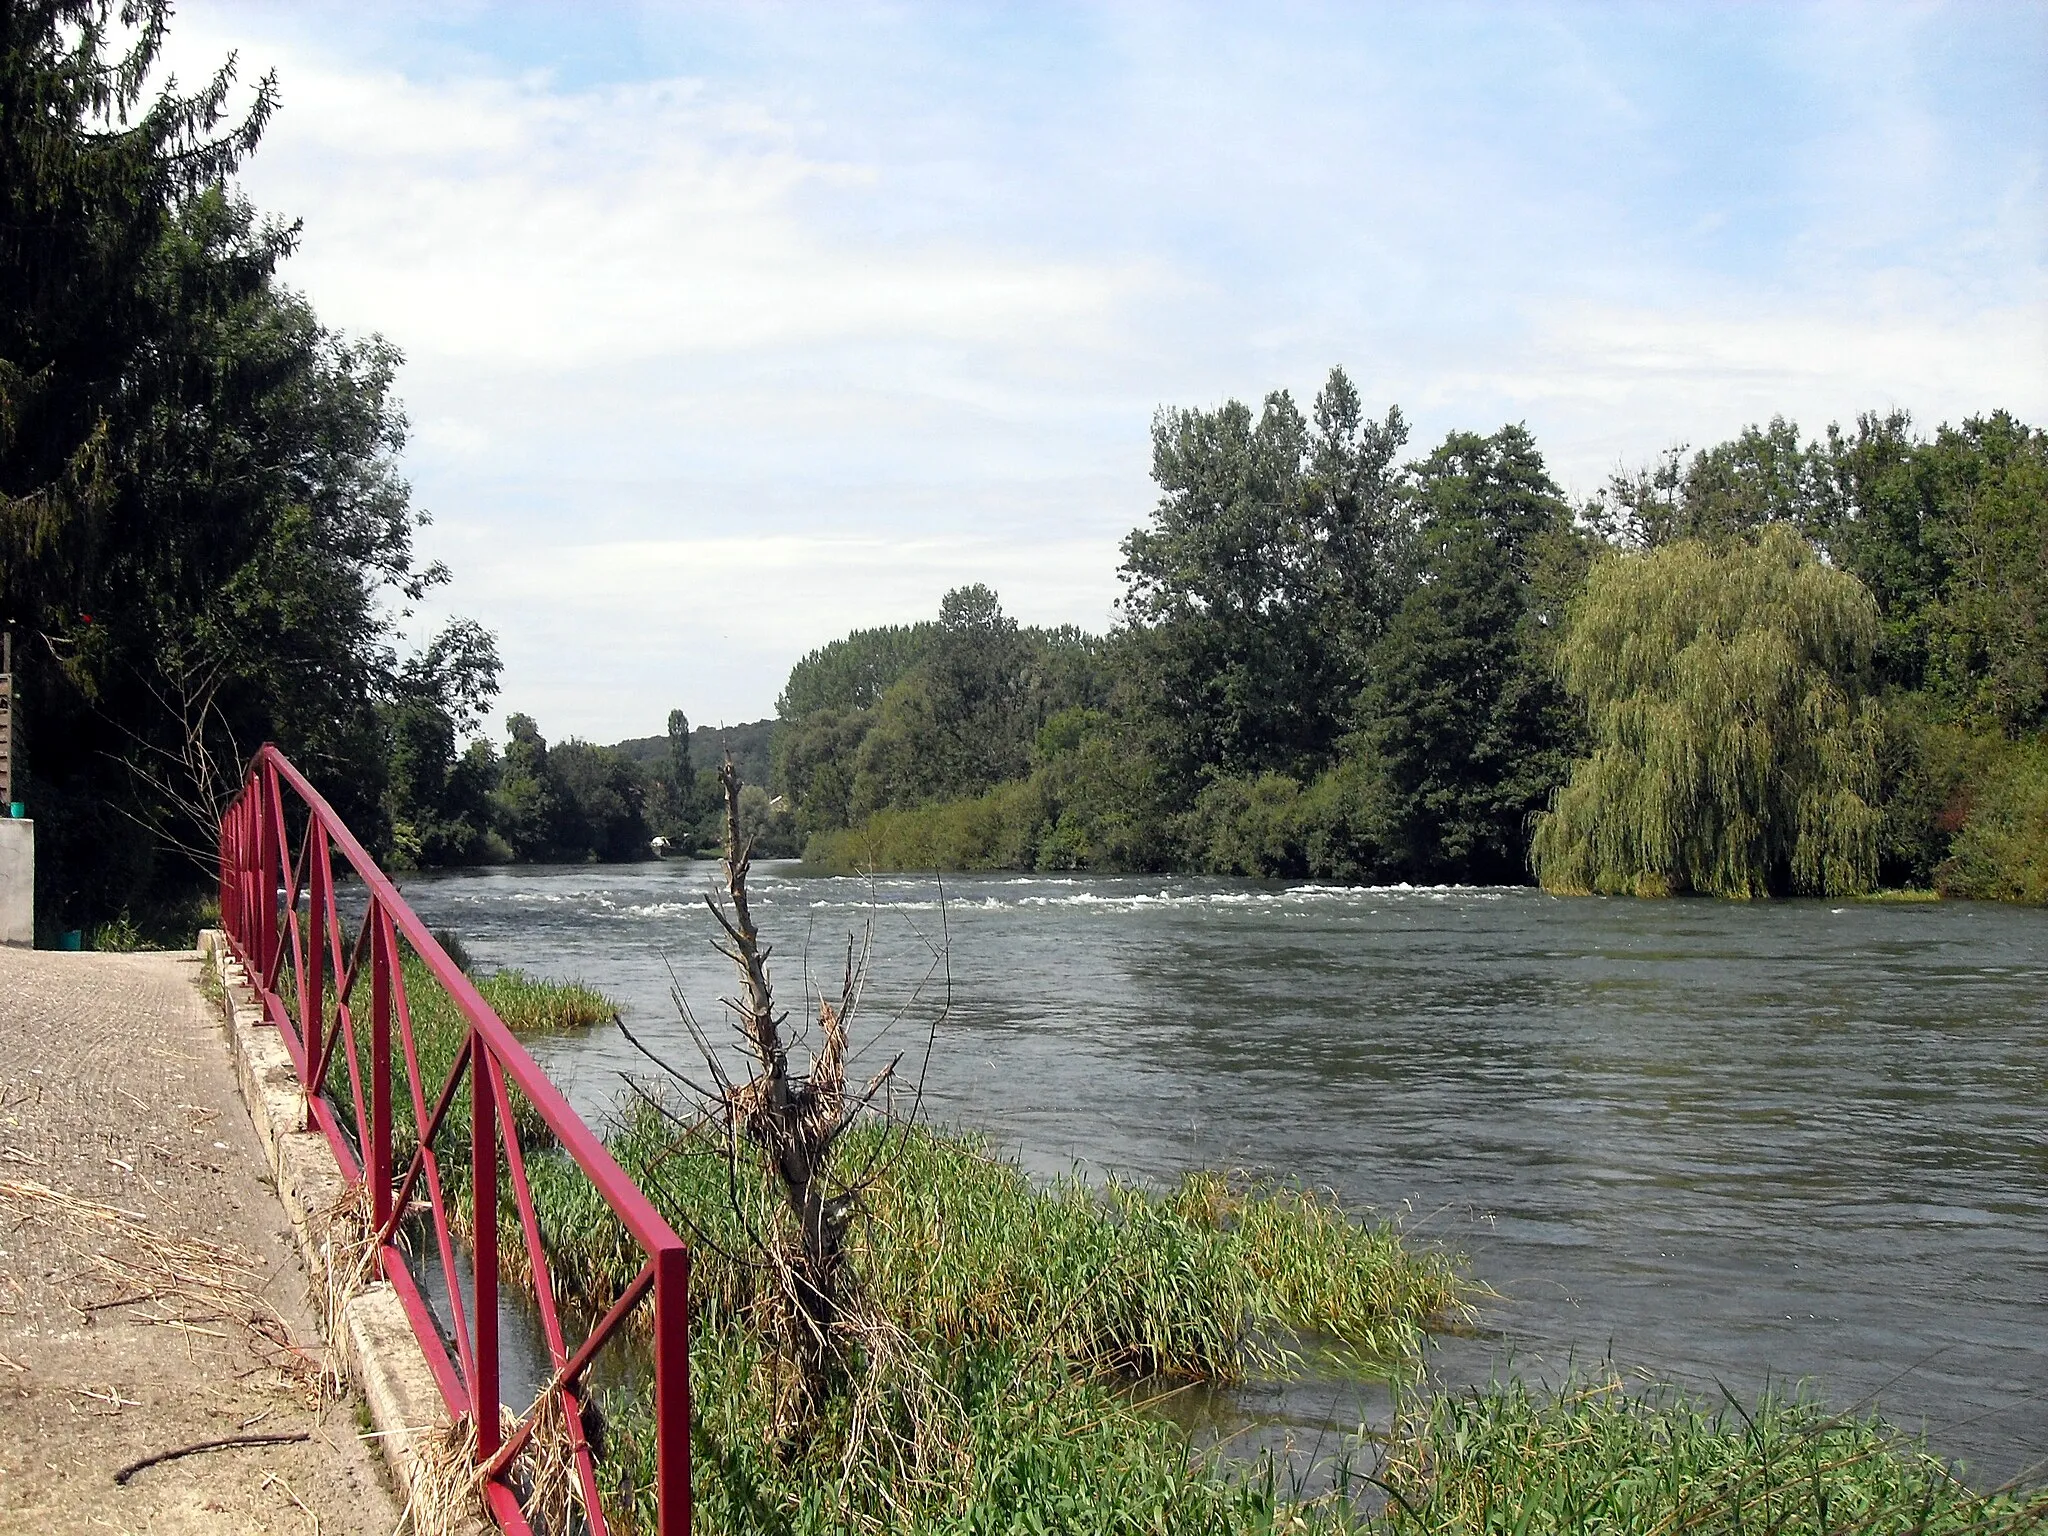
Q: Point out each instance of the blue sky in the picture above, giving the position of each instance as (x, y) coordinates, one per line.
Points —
(733, 327)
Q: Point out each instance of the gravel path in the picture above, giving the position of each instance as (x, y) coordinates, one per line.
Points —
(149, 1295)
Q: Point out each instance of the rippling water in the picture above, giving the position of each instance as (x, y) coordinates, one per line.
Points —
(1727, 1144)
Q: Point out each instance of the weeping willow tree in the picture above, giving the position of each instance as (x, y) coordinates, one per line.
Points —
(1734, 741)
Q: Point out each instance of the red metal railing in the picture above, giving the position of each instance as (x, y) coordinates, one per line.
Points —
(262, 885)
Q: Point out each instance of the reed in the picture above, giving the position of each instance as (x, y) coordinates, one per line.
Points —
(1003, 1318)
(1217, 1279)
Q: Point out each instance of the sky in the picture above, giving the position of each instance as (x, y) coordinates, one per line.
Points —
(732, 328)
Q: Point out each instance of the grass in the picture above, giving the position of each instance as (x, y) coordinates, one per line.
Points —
(163, 925)
(1213, 1280)
(1598, 1458)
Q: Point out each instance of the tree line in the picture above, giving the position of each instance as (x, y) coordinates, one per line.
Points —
(446, 803)
(1766, 667)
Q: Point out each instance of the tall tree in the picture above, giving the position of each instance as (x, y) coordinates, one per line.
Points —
(1263, 576)
(1988, 633)
(1462, 713)
(204, 541)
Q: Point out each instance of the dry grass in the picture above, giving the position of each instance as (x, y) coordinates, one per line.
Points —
(347, 1256)
(186, 1284)
(447, 1484)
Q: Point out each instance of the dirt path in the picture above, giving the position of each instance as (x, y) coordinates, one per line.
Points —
(149, 1297)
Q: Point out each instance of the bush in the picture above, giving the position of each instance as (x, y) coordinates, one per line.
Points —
(2001, 853)
(1247, 826)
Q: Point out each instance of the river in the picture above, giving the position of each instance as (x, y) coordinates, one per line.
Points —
(1724, 1144)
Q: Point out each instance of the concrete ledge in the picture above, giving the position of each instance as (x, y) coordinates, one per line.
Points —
(17, 881)
(405, 1405)
(382, 1357)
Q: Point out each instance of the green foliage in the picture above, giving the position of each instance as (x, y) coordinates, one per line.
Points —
(1887, 531)
(568, 803)
(1268, 566)
(1094, 800)
(959, 720)
(2001, 853)
(853, 674)
(1928, 769)
(767, 824)
(1462, 710)
(1733, 741)
(815, 763)
(1987, 636)
(1014, 1312)
(1247, 826)
(996, 830)
(438, 802)
(199, 503)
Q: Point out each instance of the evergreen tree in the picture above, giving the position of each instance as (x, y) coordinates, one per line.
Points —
(204, 541)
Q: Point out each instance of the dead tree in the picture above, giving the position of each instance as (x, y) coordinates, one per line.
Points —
(791, 1122)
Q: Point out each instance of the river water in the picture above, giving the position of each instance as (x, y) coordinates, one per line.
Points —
(1730, 1145)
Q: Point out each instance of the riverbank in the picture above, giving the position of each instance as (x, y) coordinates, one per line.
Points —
(1025, 1306)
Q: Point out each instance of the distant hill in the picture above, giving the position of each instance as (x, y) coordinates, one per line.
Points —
(749, 744)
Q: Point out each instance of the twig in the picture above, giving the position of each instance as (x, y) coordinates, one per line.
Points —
(287, 1487)
(232, 1442)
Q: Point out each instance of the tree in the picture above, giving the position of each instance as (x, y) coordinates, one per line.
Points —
(527, 806)
(204, 540)
(1886, 530)
(1462, 714)
(674, 805)
(1268, 567)
(815, 766)
(604, 799)
(957, 722)
(853, 673)
(1733, 737)
(1987, 635)
(1733, 490)
(778, 1139)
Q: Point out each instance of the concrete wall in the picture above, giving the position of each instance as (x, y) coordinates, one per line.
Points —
(17, 882)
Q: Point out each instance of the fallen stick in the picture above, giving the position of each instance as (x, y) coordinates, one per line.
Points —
(230, 1443)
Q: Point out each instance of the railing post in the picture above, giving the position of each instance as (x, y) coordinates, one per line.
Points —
(222, 870)
(483, 1153)
(252, 880)
(313, 975)
(672, 1389)
(383, 960)
(271, 864)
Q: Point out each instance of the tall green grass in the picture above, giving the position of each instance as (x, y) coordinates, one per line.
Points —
(1597, 1458)
(1213, 1280)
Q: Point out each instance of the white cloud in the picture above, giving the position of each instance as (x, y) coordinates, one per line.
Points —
(507, 223)
(705, 623)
